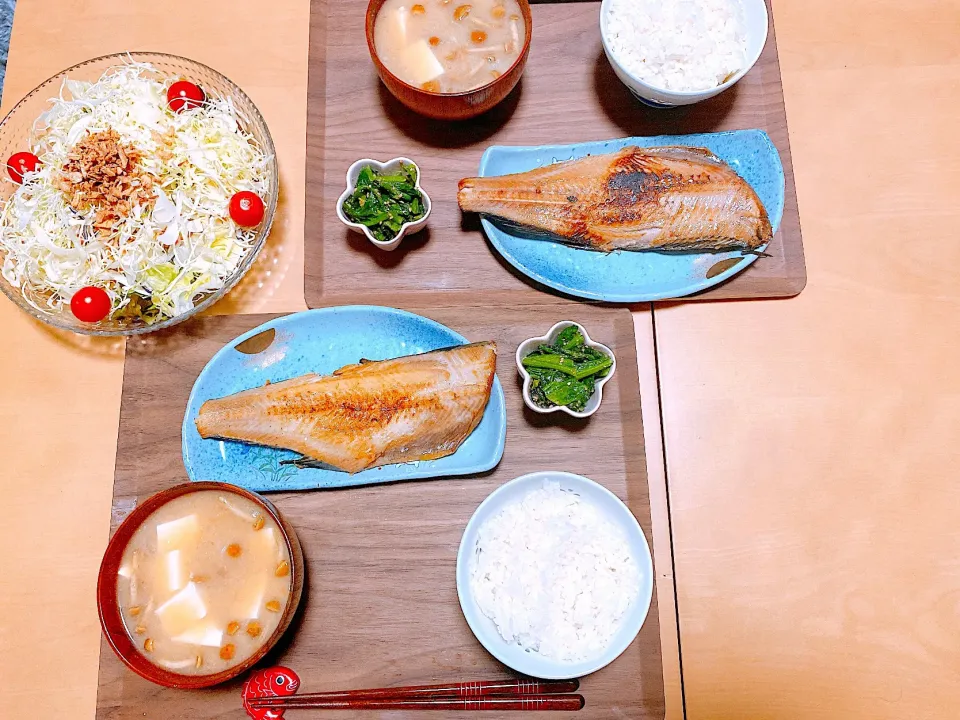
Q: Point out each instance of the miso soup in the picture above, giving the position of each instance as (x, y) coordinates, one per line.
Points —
(204, 582)
(449, 46)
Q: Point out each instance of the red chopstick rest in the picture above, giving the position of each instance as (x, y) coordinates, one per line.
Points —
(275, 682)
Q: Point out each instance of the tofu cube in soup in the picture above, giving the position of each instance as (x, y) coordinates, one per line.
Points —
(449, 46)
(200, 568)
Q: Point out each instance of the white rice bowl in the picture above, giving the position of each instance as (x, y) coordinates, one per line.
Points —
(544, 626)
(677, 52)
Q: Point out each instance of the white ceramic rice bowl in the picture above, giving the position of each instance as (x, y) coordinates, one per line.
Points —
(514, 656)
(757, 24)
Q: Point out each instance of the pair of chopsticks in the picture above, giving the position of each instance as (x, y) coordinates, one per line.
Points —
(479, 695)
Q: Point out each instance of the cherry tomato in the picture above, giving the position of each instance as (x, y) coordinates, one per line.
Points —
(246, 208)
(183, 95)
(90, 304)
(21, 163)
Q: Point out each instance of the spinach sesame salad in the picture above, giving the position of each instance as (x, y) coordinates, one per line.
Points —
(565, 372)
(383, 203)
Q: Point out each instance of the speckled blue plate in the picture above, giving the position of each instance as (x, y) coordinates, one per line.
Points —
(624, 276)
(322, 341)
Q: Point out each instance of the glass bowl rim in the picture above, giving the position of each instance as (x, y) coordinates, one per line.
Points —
(16, 294)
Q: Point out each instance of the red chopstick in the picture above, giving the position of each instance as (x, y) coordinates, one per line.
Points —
(450, 691)
(492, 702)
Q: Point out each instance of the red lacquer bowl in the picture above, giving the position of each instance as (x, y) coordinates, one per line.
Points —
(112, 622)
(451, 106)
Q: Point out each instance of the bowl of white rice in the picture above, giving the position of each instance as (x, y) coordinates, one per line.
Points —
(679, 52)
(554, 575)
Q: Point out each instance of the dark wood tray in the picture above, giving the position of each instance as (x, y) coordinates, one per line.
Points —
(568, 94)
(381, 605)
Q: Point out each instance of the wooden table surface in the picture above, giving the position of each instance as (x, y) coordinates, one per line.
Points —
(810, 443)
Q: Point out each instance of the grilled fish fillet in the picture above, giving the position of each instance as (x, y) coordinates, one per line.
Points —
(419, 407)
(667, 198)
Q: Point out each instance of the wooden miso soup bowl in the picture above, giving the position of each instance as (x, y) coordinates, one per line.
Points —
(109, 609)
(451, 106)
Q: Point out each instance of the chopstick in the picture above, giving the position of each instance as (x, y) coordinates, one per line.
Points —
(450, 691)
(492, 702)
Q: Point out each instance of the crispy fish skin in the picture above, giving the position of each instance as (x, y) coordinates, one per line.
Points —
(666, 199)
(419, 407)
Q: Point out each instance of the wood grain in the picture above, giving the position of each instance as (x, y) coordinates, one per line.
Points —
(660, 511)
(568, 94)
(816, 549)
(813, 444)
(381, 606)
(60, 393)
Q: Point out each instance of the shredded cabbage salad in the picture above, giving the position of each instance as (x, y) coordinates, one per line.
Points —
(171, 250)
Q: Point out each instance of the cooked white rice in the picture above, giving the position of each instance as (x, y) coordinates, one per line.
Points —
(555, 574)
(682, 45)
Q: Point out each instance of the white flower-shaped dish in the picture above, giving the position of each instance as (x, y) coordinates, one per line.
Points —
(386, 168)
(528, 346)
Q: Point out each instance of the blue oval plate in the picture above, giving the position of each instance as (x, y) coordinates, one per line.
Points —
(322, 341)
(625, 276)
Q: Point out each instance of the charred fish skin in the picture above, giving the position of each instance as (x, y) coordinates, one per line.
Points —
(668, 199)
(365, 415)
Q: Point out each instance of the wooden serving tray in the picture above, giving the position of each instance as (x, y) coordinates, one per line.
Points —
(381, 606)
(568, 94)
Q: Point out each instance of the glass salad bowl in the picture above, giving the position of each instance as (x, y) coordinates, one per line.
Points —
(204, 287)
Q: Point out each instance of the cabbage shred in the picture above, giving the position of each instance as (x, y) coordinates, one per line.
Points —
(175, 246)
